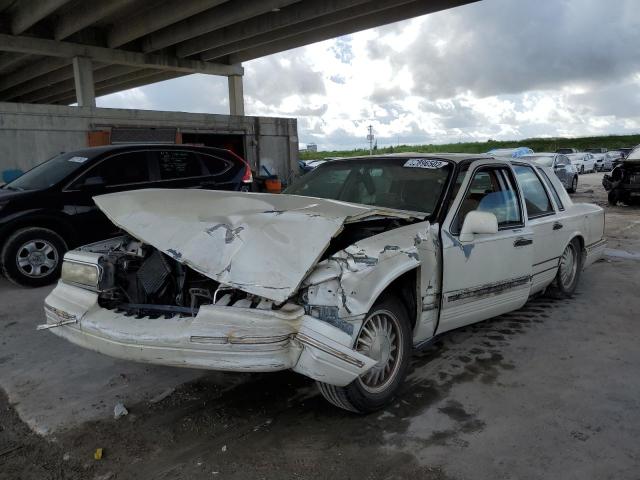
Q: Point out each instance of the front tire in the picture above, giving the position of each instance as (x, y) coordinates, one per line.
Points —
(385, 336)
(574, 185)
(569, 269)
(32, 257)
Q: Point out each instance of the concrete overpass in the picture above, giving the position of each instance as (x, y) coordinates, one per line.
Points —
(68, 51)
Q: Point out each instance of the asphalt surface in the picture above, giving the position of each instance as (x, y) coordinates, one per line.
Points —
(549, 391)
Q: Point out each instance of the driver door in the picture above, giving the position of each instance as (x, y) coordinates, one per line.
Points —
(491, 274)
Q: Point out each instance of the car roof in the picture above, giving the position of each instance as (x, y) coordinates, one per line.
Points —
(452, 157)
(91, 152)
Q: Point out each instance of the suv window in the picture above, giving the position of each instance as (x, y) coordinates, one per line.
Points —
(562, 160)
(535, 196)
(175, 164)
(120, 169)
(214, 165)
(491, 190)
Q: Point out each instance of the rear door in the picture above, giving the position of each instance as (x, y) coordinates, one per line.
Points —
(491, 274)
(544, 222)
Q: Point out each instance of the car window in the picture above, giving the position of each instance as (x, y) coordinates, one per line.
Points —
(491, 190)
(552, 189)
(119, 169)
(562, 160)
(214, 165)
(414, 184)
(49, 173)
(176, 164)
(535, 196)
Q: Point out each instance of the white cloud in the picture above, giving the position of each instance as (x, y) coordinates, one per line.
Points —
(502, 69)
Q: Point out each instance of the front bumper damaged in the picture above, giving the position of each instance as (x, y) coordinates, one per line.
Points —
(216, 338)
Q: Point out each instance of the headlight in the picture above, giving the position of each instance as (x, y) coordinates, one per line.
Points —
(81, 274)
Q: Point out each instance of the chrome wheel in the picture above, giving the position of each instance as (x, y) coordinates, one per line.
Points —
(380, 339)
(568, 266)
(37, 258)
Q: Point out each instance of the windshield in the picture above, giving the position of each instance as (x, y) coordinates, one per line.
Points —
(48, 173)
(400, 183)
(544, 161)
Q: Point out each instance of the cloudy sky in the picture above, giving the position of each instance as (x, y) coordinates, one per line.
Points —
(501, 69)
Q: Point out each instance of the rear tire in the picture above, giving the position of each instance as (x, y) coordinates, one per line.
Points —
(386, 336)
(32, 257)
(569, 269)
(612, 197)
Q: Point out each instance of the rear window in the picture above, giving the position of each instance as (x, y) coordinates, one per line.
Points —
(552, 189)
(214, 165)
(535, 196)
(175, 164)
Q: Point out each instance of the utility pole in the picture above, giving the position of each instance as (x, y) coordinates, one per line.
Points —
(370, 137)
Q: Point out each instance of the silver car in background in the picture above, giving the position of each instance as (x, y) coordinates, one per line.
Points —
(562, 166)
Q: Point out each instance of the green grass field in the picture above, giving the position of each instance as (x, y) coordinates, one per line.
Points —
(537, 144)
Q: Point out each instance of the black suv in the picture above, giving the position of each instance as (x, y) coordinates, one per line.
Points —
(50, 208)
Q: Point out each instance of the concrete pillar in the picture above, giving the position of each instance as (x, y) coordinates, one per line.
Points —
(83, 76)
(236, 95)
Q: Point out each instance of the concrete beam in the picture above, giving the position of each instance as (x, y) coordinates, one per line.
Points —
(158, 77)
(66, 86)
(304, 27)
(53, 48)
(298, 12)
(84, 15)
(31, 71)
(30, 12)
(236, 95)
(83, 77)
(410, 10)
(155, 18)
(11, 61)
(210, 20)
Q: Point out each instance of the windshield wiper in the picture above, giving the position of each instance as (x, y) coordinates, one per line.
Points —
(9, 187)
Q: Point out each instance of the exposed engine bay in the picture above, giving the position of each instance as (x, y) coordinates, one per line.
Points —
(140, 280)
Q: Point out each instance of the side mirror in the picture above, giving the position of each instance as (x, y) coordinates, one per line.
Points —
(478, 223)
(93, 183)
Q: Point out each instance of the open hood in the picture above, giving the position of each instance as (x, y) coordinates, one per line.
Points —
(263, 244)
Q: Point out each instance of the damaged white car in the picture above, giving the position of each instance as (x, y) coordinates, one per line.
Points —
(339, 278)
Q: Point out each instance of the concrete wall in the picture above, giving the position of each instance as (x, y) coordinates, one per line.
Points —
(30, 134)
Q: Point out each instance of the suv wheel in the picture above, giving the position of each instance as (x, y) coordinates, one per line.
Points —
(574, 185)
(32, 257)
(385, 336)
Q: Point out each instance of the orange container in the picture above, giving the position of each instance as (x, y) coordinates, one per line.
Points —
(273, 185)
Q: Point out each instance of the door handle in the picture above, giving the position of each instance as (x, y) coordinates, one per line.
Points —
(521, 242)
(557, 226)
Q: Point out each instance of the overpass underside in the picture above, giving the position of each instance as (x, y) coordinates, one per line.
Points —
(71, 51)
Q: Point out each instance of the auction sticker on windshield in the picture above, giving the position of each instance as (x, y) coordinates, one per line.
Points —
(424, 163)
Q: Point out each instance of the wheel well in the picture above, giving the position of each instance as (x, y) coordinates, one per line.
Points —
(59, 226)
(581, 242)
(405, 288)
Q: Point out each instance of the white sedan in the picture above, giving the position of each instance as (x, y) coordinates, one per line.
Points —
(340, 278)
(584, 162)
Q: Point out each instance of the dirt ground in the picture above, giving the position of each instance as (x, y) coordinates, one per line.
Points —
(549, 391)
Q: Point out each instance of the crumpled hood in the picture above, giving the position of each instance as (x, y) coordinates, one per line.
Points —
(263, 244)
